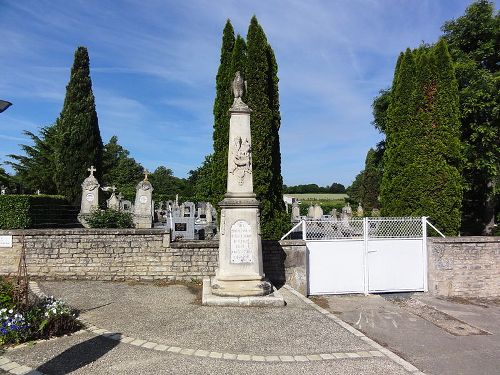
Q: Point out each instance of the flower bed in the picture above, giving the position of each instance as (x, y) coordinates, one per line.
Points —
(40, 319)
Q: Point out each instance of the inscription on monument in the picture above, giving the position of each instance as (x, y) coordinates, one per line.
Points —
(241, 237)
(90, 197)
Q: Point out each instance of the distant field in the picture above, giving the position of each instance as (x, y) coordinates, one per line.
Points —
(318, 197)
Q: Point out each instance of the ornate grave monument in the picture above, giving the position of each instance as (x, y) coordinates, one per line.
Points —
(240, 278)
(90, 197)
(143, 207)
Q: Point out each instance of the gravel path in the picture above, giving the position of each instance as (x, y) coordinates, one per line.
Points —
(164, 330)
(168, 315)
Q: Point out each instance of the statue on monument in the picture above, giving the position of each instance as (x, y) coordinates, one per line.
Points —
(239, 87)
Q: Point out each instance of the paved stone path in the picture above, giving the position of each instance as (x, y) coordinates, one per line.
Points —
(301, 338)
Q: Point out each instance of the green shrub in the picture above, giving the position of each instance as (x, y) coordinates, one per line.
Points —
(28, 211)
(6, 293)
(110, 219)
(40, 319)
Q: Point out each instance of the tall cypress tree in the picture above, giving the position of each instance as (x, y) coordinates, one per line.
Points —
(370, 188)
(79, 143)
(223, 101)
(274, 104)
(421, 175)
(399, 117)
(263, 99)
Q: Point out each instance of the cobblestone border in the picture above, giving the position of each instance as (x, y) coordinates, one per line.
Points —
(15, 368)
(379, 351)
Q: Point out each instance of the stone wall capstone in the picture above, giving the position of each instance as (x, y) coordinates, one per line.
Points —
(137, 254)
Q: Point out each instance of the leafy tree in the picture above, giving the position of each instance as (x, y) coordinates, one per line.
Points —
(223, 101)
(337, 188)
(473, 41)
(79, 143)
(4, 177)
(199, 180)
(380, 105)
(35, 169)
(165, 184)
(120, 169)
(262, 98)
(354, 191)
(476, 33)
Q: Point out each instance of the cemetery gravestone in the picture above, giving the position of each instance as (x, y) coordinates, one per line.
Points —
(113, 202)
(318, 212)
(310, 212)
(90, 197)
(143, 207)
(359, 211)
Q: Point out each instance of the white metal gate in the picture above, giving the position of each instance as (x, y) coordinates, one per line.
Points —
(366, 255)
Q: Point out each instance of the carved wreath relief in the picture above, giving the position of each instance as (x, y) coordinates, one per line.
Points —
(242, 159)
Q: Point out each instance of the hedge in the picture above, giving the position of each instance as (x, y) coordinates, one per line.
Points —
(35, 211)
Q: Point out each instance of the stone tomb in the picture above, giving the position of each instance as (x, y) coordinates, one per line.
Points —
(239, 279)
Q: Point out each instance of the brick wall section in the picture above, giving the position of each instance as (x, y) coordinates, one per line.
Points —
(138, 254)
(464, 266)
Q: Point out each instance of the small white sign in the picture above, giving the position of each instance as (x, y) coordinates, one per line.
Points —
(5, 241)
(89, 197)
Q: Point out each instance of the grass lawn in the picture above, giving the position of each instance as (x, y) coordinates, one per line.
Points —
(319, 197)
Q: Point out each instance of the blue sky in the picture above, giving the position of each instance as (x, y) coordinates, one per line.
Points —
(153, 67)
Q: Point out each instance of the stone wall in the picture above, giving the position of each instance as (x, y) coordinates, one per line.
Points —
(464, 266)
(460, 266)
(138, 254)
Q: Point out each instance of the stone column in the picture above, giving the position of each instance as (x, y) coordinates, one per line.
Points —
(240, 271)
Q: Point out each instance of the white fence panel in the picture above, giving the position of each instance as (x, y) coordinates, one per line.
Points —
(396, 265)
(336, 267)
(366, 255)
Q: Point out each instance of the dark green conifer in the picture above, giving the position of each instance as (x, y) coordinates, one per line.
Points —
(399, 118)
(370, 188)
(421, 175)
(223, 101)
(263, 99)
(79, 143)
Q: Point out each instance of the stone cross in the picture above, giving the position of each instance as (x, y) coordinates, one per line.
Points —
(91, 170)
(146, 172)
